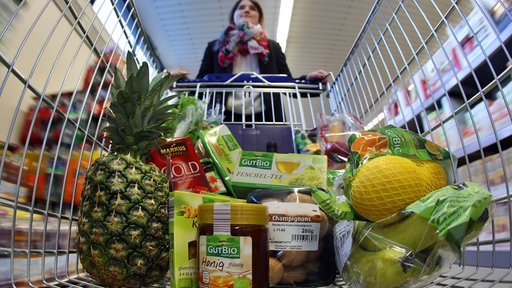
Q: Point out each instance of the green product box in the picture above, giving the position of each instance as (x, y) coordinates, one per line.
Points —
(183, 235)
(244, 171)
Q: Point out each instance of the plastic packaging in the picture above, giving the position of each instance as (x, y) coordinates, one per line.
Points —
(413, 251)
(300, 238)
(402, 218)
(333, 137)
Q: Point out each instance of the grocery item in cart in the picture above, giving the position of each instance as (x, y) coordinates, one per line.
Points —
(184, 253)
(333, 137)
(233, 245)
(385, 185)
(389, 168)
(300, 238)
(415, 250)
(244, 171)
(177, 158)
(186, 119)
(123, 236)
(410, 224)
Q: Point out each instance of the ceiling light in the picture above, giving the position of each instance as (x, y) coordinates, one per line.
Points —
(283, 24)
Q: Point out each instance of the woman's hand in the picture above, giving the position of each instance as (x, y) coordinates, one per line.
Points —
(318, 75)
(180, 72)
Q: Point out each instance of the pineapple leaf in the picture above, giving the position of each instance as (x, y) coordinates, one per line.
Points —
(131, 65)
(161, 116)
(117, 113)
(138, 109)
(156, 79)
(119, 82)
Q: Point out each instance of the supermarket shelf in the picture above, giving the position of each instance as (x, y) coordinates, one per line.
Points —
(450, 80)
(35, 269)
(485, 141)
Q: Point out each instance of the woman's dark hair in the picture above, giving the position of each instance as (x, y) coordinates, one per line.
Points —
(255, 3)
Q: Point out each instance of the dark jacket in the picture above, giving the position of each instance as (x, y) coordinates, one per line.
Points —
(276, 64)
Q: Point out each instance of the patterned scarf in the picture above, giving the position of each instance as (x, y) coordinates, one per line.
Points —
(242, 39)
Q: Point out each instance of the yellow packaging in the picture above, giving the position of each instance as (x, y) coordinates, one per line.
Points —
(183, 238)
(244, 171)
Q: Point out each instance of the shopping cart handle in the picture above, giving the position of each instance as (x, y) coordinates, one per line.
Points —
(243, 77)
(246, 77)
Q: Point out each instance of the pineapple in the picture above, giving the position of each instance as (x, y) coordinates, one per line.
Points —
(123, 238)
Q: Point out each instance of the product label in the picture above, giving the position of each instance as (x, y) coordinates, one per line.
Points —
(230, 141)
(257, 160)
(225, 261)
(343, 242)
(454, 209)
(281, 169)
(178, 160)
(184, 247)
(293, 226)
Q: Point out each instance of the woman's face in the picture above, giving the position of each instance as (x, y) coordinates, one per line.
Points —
(246, 12)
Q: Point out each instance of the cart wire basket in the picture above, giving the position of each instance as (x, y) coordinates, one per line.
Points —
(293, 107)
(438, 68)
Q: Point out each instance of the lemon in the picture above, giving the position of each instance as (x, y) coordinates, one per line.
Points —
(384, 186)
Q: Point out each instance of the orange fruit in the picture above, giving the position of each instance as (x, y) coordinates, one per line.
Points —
(382, 143)
(359, 145)
(369, 141)
(386, 185)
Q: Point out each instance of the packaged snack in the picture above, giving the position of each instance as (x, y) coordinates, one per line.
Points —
(177, 158)
(333, 137)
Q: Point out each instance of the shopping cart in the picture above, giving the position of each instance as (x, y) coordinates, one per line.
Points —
(292, 107)
(439, 68)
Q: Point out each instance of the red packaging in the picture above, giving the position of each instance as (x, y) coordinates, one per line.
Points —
(177, 158)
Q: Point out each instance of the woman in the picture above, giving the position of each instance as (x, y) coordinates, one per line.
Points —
(244, 47)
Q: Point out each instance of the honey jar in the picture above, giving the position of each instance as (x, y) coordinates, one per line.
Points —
(233, 245)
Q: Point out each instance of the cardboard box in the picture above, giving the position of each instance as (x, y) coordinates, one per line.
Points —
(244, 171)
(183, 238)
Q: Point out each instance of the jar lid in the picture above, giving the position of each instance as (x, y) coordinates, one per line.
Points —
(240, 213)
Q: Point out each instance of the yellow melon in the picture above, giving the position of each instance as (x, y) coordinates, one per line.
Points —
(433, 172)
(386, 185)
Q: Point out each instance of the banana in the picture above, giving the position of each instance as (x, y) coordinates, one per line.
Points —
(413, 233)
(390, 267)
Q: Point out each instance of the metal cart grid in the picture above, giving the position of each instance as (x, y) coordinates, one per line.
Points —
(299, 103)
(443, 69)
(440, 69)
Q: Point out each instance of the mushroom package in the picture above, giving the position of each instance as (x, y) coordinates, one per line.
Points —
(300, 238)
